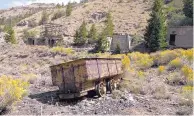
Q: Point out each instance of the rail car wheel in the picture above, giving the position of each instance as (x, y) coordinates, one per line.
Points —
(112, 85)
(101, 89)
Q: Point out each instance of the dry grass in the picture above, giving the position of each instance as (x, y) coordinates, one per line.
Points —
(186, 97)
(175, 79)
(161, 92)
(30, 77)
(163, 57)
(116, 94)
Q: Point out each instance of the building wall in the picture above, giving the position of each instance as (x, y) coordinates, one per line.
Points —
(183, 36)
(124, 42)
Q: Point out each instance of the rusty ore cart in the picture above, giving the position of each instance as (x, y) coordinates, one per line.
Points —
(77, 78)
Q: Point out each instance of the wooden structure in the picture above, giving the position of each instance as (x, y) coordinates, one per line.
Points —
(76, 78)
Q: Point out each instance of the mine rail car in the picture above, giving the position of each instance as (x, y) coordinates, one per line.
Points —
(77, 78)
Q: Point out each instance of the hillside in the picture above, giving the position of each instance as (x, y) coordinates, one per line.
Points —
(129, 16)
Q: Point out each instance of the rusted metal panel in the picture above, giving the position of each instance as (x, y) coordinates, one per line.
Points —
(112, 67)
(101, 68)
(92, 69)
(119, 67)
(53, 74)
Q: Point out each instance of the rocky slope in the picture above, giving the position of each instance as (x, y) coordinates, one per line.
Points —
(129, 16)
(32, 63)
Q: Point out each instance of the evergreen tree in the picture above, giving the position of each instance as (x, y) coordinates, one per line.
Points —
(102, 43)
(10, 36)
(83, 31)
(155, 35)
(109, 25)
(77, 38)
(92, 34)
(81, 35)
(188, 8)
(69, 9)
(44, 18)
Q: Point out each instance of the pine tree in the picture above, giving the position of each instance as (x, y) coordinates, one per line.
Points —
(188, 8)
(102, 43)
(81, 35)
(155, 35)
(109, 25)
(10, 36)
(83, 31)
(69, 9)
(92, 34)
(77, 38)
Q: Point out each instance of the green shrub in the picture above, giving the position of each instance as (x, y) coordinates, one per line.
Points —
(10, 36)
(164, 57)
(175, 64)
(161, 69)
(59, 49)
(186, 97)
(11, 91)
(140, 60)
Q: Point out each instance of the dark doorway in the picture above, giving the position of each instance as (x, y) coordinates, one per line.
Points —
(51, 42)
(172, 39)
(33, 43)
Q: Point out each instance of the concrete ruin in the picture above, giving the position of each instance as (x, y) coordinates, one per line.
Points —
(51, 35)
(43, 41)
(123, 41)
(180, 37)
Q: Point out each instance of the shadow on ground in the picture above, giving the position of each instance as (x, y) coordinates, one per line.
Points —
(52, 98)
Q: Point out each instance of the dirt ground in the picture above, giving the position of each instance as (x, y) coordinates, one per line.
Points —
(42, 99)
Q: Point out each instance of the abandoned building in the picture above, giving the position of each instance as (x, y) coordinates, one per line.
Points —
(123, 41)
(50, 35)
(43, 41)
(180, 37)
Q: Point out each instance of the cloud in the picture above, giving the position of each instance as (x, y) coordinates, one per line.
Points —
(27, 2)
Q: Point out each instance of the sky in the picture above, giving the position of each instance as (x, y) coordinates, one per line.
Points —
(11, 3)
